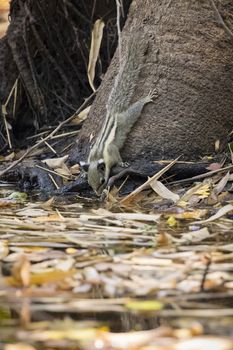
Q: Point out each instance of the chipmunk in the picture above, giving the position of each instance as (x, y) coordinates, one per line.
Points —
(120, 118)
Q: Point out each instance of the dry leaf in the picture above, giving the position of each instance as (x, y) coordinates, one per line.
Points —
(96, 38)
(54, 163)
(31, 212)
(4, 249)
(91, 275)
(221, 212)
(48, 204)
(204, 343)
(126, 200)
(135, 340)
(195, 236)
(81, 116)
(122, 216)
(201, 190)
(217, 145)
(75, 169)
(53, 276)
(163, 191)
(63, 171)
(194, 214)
(10, 157)
(49, 218)
(5, 202)
(18, 346)
(21, 271)
(222, 183)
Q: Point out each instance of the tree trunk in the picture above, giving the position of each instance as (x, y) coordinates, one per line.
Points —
(190, 63)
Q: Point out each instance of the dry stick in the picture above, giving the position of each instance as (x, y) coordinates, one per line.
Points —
(7, 131)
(37, 135)
(206, 271)
(4, 111)
(15, 97)
(225, 27)
(71, 133)
(53, 172)
(53, 181)
(49, 136)
(202, 176)
(50, 147)
(132, 195)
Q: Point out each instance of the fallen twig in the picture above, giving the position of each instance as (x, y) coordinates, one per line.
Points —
(206, 271)
(201, 176)
(132, 195)
(3, 172)
(53, 172)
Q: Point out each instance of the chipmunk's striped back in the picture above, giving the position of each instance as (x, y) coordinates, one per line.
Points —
(120, 117)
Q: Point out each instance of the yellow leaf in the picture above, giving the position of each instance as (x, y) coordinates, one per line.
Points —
(41, 278)
(145, 305)
(172, 222)
(71, 251)
(182, 204)
(203, 191)
(195, 214)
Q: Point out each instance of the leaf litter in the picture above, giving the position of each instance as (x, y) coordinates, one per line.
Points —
(150, 270)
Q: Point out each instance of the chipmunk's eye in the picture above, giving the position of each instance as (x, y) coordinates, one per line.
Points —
(102, 181)
(101, 166)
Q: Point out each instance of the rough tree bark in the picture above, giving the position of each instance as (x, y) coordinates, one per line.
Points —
(190, 62)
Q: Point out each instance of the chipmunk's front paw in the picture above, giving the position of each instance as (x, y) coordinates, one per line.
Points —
(152, 95)
(124, 164)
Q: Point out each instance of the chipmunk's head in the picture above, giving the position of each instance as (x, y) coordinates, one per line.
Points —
(96, 175)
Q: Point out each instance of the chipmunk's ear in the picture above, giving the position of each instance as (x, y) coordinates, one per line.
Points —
(84, 165)
(101, 165)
